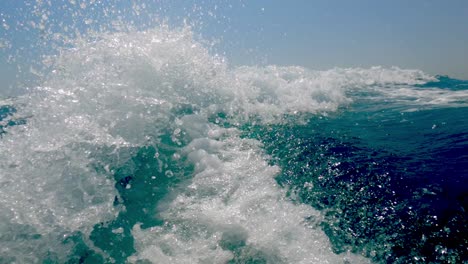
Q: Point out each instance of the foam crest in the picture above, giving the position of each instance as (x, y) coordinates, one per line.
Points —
(274, 91)
(423, 98)
(377, 75)
(115, 75)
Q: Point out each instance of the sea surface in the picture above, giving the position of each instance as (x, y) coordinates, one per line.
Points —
(145, 147)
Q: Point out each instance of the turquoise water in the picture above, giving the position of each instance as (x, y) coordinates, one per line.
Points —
(143, 147)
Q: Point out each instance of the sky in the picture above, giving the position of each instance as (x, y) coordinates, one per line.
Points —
(430, 35)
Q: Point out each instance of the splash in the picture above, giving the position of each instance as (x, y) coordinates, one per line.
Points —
(70, 170)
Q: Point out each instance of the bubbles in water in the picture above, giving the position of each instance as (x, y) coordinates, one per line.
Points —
(169, 174)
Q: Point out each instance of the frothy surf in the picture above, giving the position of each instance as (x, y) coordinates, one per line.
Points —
(110, 96)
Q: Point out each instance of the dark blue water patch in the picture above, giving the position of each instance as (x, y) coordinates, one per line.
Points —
(6, 113)
(445, 82)
(396, 193)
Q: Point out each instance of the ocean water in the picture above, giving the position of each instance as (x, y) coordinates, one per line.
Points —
(143, 146)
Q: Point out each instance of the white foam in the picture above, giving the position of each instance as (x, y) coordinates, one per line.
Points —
(423, 98)
(273, 91)
(234, 199)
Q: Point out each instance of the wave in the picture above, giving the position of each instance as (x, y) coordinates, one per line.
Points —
(73, 173)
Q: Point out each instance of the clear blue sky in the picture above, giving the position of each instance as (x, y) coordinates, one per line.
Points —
(431, 35)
